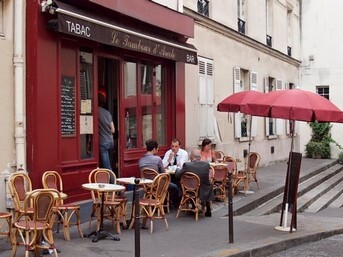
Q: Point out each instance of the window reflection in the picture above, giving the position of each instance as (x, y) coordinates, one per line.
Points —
(145, 100)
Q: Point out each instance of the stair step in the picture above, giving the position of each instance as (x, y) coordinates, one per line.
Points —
(274, 204)
(311, 196)
(325, 200)
(338, 203)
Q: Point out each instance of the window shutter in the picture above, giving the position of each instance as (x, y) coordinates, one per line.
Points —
(253, 81)
(206, 98)
(280, 123)
(266, 90)
(237, 87)
(253, 86)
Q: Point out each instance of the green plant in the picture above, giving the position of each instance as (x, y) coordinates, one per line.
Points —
(319, 145)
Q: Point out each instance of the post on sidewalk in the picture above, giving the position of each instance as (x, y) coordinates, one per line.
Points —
(137, 219)
(230, 209)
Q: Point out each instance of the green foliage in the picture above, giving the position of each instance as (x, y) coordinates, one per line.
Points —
(319, 145)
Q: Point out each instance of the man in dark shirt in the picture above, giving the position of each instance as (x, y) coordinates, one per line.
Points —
(106, 131)
(153, 161)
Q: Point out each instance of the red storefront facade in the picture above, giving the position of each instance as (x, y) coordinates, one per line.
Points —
(72, 54)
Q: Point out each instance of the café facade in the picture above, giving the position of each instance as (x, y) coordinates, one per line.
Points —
(133, 52)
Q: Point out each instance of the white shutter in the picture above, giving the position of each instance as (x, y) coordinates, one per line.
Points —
(266, 90)
(237, 87)
(253, 81)
(280, 123)
(253, 86)
(206, 98)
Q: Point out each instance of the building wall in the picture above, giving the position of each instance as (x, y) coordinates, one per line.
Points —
(321, 39)
(6, 98)
(228, 49)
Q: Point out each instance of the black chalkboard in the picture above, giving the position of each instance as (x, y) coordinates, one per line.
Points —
(68, 106)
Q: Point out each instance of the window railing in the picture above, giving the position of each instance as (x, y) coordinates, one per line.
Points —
(289, 51)
(269, 40)
(241, 26)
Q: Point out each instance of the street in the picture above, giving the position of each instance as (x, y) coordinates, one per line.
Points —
(328, 247)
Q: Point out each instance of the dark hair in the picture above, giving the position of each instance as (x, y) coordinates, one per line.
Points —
(101, 100)
(175, 140)
(205, 142)
(151, 145)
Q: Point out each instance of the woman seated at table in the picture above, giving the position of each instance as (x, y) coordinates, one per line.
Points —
(207, 153)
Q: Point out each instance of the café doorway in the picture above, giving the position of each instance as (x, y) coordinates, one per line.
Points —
(108, 85)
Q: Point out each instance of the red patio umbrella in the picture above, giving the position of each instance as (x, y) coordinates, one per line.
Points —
(237, 101)
(294, 104)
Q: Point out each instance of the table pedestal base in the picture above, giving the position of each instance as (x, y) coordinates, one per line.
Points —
(102, 235)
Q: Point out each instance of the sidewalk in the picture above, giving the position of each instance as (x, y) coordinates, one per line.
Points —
(253, 236)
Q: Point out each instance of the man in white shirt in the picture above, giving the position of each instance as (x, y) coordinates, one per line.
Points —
(175, 156)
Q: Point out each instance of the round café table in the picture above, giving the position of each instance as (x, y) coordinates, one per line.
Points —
(102, 188)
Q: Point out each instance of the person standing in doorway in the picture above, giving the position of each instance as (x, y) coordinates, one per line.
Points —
(106, 131)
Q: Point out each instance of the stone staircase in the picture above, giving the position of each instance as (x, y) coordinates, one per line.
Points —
(318, 189)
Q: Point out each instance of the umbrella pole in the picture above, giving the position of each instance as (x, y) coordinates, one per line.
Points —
(285, 217)
(247, 185)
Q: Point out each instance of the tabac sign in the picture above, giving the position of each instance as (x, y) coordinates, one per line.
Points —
(114, 35)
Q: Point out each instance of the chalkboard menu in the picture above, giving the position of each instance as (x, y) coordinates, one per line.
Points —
(68, 106)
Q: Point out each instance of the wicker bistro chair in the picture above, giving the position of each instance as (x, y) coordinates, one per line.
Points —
(52, 179)
(219, 155)
(5, 224)
(253, 164)
(114, 205)
(19, 184)
(220, 181)
(232, 167)
(33, 230)
(151, 207)
(151, 174)
(190, 185)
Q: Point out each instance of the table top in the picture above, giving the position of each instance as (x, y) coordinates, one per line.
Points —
(170, 171)
(131, 181)
(103, 187)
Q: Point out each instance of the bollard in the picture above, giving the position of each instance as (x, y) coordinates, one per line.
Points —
(230, 210)
(137, 219)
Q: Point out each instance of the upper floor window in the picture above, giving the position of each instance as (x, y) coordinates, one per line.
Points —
(241, 13)
(203, 6)
(1, 18)
(269, 22)
(323, 91)
(289, 32)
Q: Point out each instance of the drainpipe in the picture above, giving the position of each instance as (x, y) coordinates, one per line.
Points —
(19, 83)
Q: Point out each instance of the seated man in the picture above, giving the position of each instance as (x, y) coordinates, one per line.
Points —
(176, 155)
(201, 169)
(153, 161)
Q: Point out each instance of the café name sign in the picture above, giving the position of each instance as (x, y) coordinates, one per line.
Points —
(127, 39)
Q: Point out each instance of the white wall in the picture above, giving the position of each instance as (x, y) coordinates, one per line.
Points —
(322, 37)
(6, 98)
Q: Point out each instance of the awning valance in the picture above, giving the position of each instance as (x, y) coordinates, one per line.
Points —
(77, 22)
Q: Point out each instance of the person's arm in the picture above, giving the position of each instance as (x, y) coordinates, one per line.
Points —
(160, 166)
(166, 159)
(112, 128)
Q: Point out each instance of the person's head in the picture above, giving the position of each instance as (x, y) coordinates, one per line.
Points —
(206, 144)
(175, 145)
(195, 155)
(101, 100)
(151, 145)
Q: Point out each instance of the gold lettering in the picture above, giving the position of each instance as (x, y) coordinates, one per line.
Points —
(115, 38)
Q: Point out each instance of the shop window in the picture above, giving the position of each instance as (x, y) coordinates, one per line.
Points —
(144, 101)
(86, 105)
